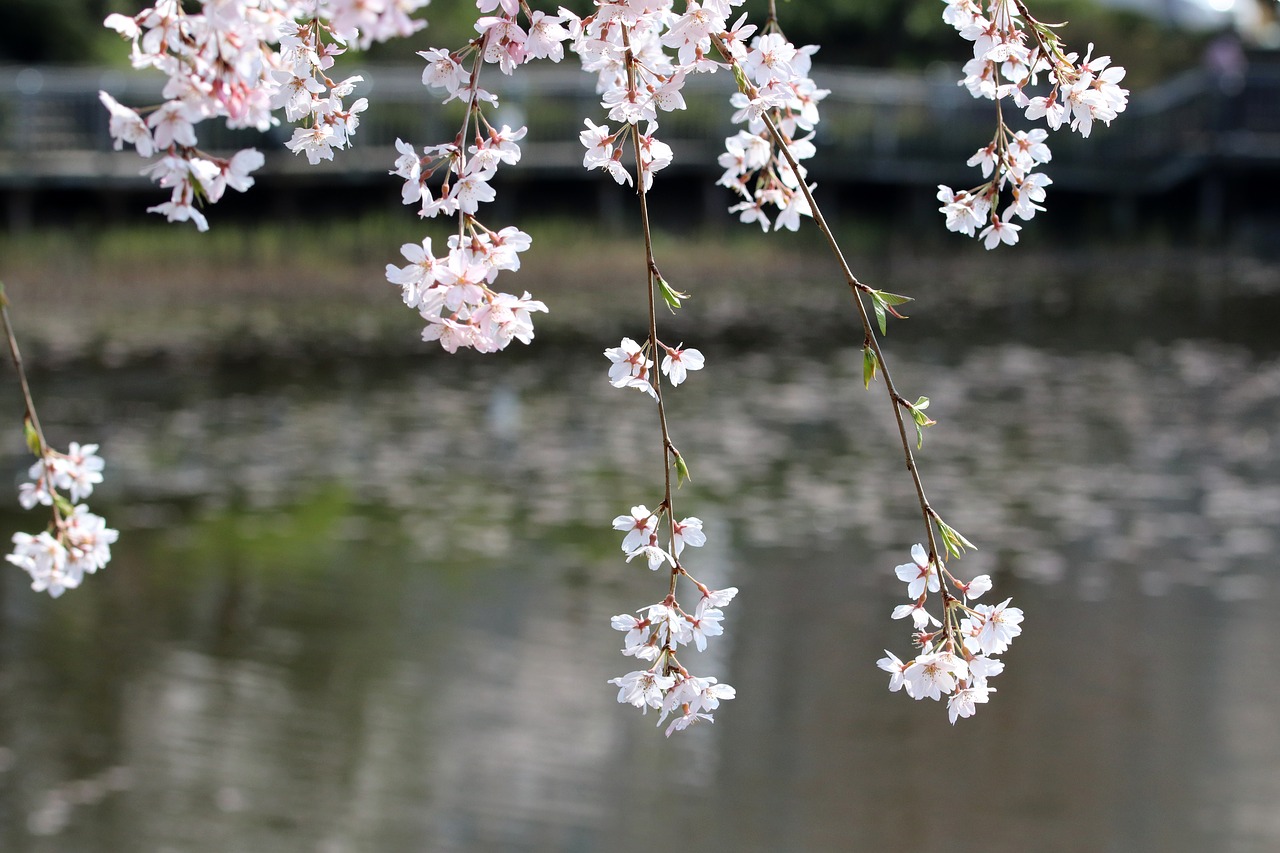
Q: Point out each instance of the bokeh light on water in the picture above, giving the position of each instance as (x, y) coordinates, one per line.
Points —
(367, 608)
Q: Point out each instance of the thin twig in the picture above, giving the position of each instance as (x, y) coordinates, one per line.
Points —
(652, 276)
(897, 401)
(16, 356)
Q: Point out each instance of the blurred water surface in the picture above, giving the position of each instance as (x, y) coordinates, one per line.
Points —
(365, 607)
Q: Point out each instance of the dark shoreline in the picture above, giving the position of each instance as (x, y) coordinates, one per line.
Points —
(72, 311)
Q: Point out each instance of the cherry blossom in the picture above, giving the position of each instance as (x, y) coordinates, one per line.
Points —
(640, 525)
(1000, 231)
(688, 531)
(637, 631)
(774, 84)
(44, 558)
(643, 688)
(684, 721)
(896, 669)
(127, 126)
(77, 542)
(677, 363)
(964, 701)
(1011, 50)
(666, 626)
(234, 173)
(934, 674)
(920, 616)
(919, 573)
(705, 623)
(653, 554)
(976, 587)
(317, 142)
(630, 367)
(240, 61)
(718, 597)
(992, 628)
(958, 656)
(246, 62)
(982, 667)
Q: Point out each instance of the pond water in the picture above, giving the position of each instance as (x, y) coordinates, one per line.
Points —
(365, 607)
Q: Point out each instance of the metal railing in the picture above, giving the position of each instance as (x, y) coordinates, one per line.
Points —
(879, 127)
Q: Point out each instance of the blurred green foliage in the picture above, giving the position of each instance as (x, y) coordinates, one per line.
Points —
(50, 30)
(904, 34)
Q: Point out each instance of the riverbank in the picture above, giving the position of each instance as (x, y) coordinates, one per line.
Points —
(129, 294)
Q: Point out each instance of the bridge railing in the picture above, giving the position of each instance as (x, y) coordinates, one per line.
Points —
(877, 127)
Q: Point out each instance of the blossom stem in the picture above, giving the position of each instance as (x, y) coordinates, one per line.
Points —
(42, 446)
(868, 327)
(858, 288)
(473, 111)
(771, 22)
(651, 277)
(16, 356)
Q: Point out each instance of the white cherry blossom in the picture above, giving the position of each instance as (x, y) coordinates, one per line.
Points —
(919, 574)
(992, 628)
(688, 531)
(640, 526)
(653, 554)
(896, 669)
(1010, 52)
(642, 688)
(920, 617)
(932, 675)
(964, 701)
(677, 363)
(630, 367)
(705, 623)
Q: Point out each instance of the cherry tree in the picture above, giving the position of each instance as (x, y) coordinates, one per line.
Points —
(256, 63)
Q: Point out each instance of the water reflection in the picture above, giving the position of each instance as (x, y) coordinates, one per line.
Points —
(368, 610)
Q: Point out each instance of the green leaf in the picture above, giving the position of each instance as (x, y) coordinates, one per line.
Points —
(670, 295)
(682, 471)
(869, 365)
(32, 437)
(64, 506)
(884, 303)
(952, 540)
(920, 418)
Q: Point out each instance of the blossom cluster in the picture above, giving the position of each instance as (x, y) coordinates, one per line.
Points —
(772, 76)
(656, 635)
(452, 292)
(218, 65)
(242, 60)
(631, 367)
(623, 44)
(773, 79)
(1011, 50)
(77, 542)
(306, 92)
(247, 60)
(958, 658)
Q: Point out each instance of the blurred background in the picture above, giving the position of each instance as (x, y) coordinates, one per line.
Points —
(361, 596)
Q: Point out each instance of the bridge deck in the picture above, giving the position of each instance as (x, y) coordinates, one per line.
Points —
(878, 127)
